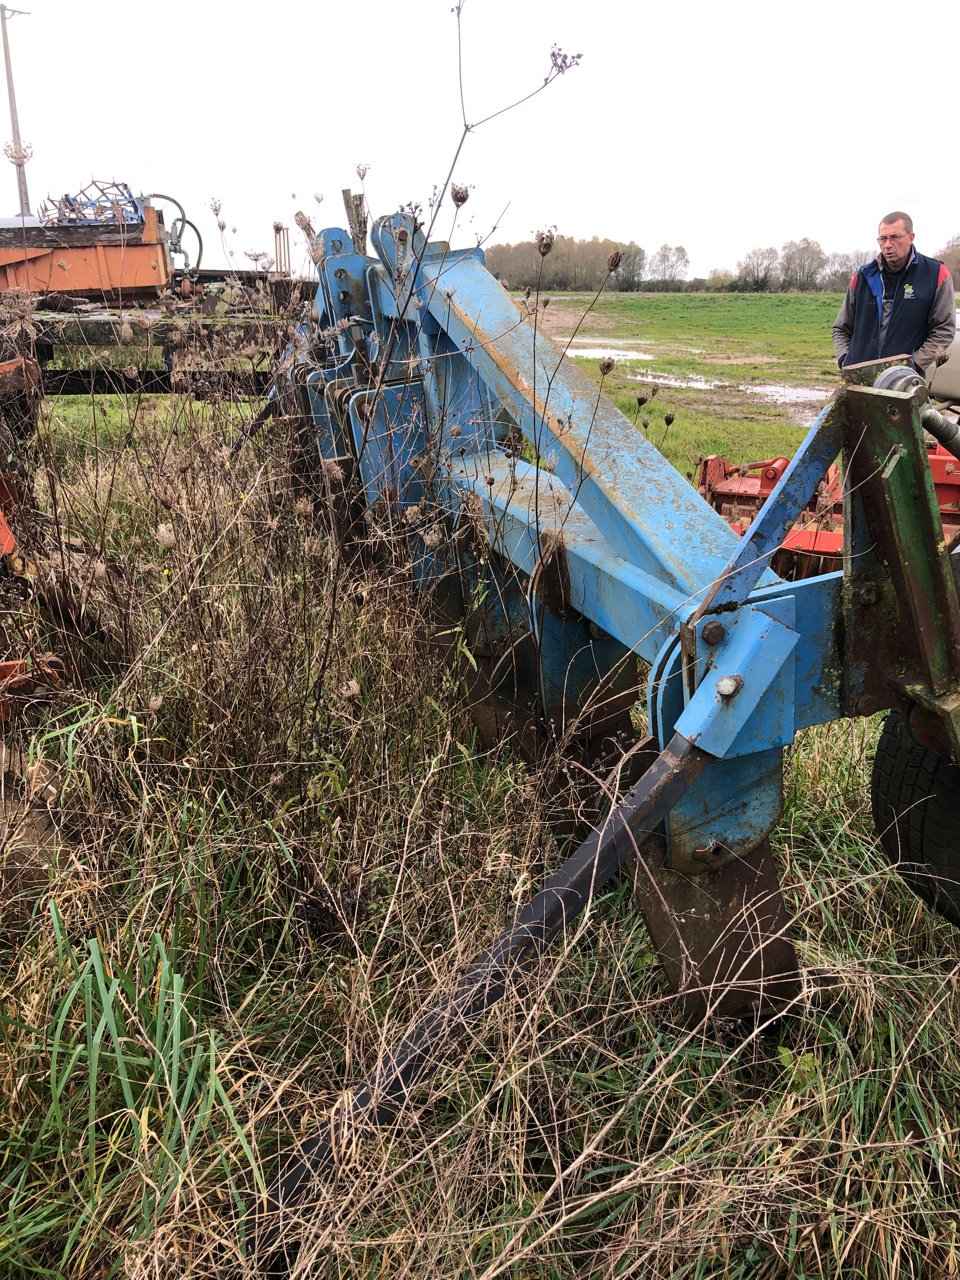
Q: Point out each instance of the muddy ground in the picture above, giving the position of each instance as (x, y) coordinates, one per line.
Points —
(591, 336)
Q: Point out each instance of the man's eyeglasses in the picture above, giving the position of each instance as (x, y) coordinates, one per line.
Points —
(892, 239)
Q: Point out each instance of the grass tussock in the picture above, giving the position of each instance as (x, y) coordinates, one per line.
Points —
(272, 836)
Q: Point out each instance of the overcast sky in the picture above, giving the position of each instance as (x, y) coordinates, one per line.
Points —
(721, 127)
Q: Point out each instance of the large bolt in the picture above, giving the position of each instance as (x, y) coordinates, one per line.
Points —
(869, 593)
(729, 686)
(713, 632)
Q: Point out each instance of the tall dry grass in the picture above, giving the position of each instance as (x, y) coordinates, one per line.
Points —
(275, 836)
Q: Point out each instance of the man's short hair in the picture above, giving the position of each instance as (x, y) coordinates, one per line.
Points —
(899, 216)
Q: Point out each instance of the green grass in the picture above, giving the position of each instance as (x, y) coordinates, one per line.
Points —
(749, 433)
(733, 336)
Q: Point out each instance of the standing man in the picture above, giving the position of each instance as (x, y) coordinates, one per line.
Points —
(901, 303)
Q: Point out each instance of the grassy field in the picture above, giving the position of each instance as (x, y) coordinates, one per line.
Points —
(737, 336)
(725, 364)
(270, 834)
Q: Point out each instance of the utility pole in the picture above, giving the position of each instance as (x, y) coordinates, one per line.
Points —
(15, 151)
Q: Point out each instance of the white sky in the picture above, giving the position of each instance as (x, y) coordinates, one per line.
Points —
(720, 127)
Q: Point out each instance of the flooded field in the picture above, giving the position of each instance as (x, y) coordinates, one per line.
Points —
(743, 376)
(802, 402)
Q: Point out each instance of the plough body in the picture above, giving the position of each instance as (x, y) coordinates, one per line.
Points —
(575, 556)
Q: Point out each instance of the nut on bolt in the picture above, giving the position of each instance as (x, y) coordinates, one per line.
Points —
(713, 632)
(729, 686)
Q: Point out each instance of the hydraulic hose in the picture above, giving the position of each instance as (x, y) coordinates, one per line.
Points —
(184, 222)
(942, 429)
(901, 378)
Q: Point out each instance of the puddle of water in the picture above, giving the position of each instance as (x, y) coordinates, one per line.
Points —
(779, 393)
(614, 353)
(774, 392)
(664, 380)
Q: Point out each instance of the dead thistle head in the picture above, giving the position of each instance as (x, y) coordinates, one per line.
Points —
(459, 194)
(545, 240)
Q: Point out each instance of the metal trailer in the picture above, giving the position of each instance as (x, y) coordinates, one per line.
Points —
(583, 567)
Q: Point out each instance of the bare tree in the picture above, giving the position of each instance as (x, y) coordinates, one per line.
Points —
(950, 254)
(839, 267)
(801, 263)
(629, 274)
(669, 265)
(758, 270)
(721, 279)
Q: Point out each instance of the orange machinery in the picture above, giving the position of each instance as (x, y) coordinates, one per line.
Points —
(103, 244)
(815, 543)
(21, 678)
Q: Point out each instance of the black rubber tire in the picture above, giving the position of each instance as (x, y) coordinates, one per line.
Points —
(916, 810)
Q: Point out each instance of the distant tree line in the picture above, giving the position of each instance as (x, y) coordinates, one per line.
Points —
(582, 265)
(799, 266)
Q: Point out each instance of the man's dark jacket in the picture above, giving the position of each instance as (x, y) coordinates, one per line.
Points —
(922, 316)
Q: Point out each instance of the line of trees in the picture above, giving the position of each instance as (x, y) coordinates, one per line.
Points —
(799, 266)
(582, 264)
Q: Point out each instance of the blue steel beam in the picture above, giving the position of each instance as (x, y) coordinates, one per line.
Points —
(526, 512)
(647, 511)
(793, 491)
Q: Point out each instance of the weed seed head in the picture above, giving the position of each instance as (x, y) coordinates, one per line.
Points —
(561, 62)
(614, 260)
(350, 691)
(459, 194)
(545, 240)
(165, 536)
(606, 365)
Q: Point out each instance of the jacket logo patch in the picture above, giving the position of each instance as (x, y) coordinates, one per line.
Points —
(908, 290)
